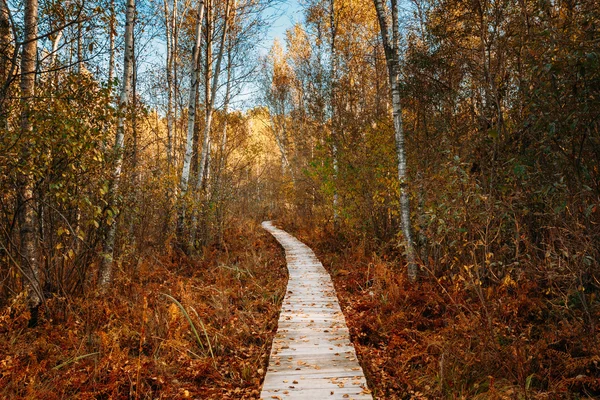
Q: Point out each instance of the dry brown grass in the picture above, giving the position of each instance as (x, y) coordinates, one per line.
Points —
(451, 338)
(136, 343)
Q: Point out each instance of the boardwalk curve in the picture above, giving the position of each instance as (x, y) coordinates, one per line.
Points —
(312, 356)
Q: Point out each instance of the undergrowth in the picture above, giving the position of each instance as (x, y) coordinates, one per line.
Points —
(180, 328)
(452, 337)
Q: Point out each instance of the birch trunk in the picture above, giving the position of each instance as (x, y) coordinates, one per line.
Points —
(189, 148)
(79, 48)
(105, 271)
(26, 205)
(169, 71)
(334, 134)
(207, 99)
(133, 190)
(212, 80)
(4, 41)
(222, 151)
(55, 43)
(5, 50)
(207, 77)
(223, 147)
(225, 111)
(175, 55)
(392, 55)
(205, 157)
(134, 124)
(169, 33)
(111, 45)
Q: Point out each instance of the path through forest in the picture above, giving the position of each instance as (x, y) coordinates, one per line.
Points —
(312, 356)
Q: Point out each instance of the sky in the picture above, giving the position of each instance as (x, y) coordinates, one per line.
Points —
(284, 15)
(288, 13)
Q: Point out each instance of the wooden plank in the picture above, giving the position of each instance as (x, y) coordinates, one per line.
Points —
(312, 356)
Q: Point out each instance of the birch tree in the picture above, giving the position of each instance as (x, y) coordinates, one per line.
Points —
(105, 272)
(170, 33)
(332, 105)
(5, 60)
(222, 148)
(4, 41)
(111, 43)
(228, 82)
(26, 202)
(205, 157)
(189, 146)
(391, 45)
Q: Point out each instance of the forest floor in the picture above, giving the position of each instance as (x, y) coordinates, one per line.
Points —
(440, 338)
(448, 338)
(137, 343)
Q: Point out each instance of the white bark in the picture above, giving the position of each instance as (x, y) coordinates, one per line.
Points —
(105, 272)
(5, 60)
(334, 133)
(219, 188)
(169, 37)
(175, 55)
(26, 211)
(205, 158)
(189, 148)
(195, 79)
(111, 45)
(79, 48)
(4, 40)
(392, 55)
(225, 111)
(223, 146)
(55, 43)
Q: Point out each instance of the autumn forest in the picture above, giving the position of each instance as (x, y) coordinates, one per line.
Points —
(441, 158)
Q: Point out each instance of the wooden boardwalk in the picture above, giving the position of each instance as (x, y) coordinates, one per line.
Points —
(312, 356)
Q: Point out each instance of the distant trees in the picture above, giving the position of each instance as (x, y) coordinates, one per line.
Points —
(222, 65)
(277, 92)
(484, 127)
(335, 85)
